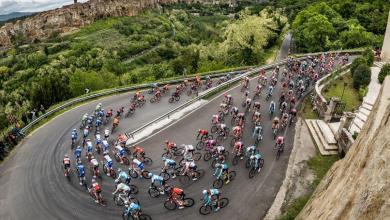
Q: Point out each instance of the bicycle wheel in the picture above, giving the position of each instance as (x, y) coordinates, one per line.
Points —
(235, 160)
(153, 192)
(278, 154)
(113, 174)
(177, 98)
(232, 175)
(213, 163)
(170, 205)
(218, 183)
(167, 155)
(232, 142)
(145, 174)
(153, 100)
(223, 202)
(252, 172)
(179, 152)
(199, 145)
(189, 92)
(205, 210)
(126, 161)
(165, 176)
(118, 202)
(170, 100)
(144, 217)
(184, 179)
(133, 173)
(207, 156)
(247, 163)
(117, 158)
(197, 156)
(188, 202)
(133, 189)
(261, 163)
(214, 129)
(148, 161)
(199, 173)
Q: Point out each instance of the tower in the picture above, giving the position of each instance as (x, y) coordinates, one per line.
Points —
(385, 55)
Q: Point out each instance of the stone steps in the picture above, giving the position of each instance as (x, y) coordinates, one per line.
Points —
(321, 142)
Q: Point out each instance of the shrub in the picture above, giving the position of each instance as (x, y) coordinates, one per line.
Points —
(384, 72)
(357, 62)
(369, 56)
(362, 76)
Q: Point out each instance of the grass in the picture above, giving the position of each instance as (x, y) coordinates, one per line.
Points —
(306, 111)
(319, 165)
(351, 95)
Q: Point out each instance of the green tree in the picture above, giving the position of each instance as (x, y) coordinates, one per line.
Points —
(362, 76)
(357, 62)
(385, 71)
(356, 36)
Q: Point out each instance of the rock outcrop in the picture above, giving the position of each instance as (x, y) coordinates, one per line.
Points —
(74, 16)
(358, 186)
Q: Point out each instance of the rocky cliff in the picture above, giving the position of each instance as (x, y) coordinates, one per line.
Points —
(74, 16)
(358, 186)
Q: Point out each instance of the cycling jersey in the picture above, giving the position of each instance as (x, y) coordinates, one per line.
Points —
(280, 140)
(96, 187)
(122, 187)
(203, 132)
(108, 160)
(81, 170)
(220, 149)
(123, 176)
(74, 135)
(133, 207)
(170, 163)
(77, 152)
(139, 164)
(105, 145)
(66, 162)
(86, 132)
(89, 146)
(120, 149)
(272, 106)
(94, 162)
(157, 178)
(190, 165)
(98, 122)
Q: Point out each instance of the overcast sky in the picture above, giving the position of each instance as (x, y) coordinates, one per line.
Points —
(8, 6)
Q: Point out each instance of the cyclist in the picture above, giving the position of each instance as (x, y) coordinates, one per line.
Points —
(221, 168)
(256, 118)
(89, 149)
(210, 143)
(219, 151)
(275, 123)
(258, 89)
(216, 119)
(284, 119)
(237, 131)
(189, 168)
(120, 151)
(234, 111)
(122, 177)
(98, 123)
(156, 178)
(81, 172)
(257, 132)
(139, 152)
(248, 103)
(169, 164)
(84, 120)
(241, 119)
(170, 146)
(228, 99)
(107, 162)
(106, 133)
(283, 106)
(238, 147)
(202, 133)
(188, 151)
(105, 145)
(131, 209)
(293, 114)
(177, 194)
(90, 120)
(85, 133)
(154, 87)
(224, 107)
(98, 139)
(279, 141)
(212, 196)
(96, 190)
(272, 107)
(66, 162)
(246, 81)
(74, 135)
(257, 157)
(98, 107)
(138, 166)
(157, 94)
(109, 114)
(250, 151)
(94, 165)
(270, 90)
(122, 138)
(223, 128)
(256, 106)
(77, 152)
(122, 188)
(116, 121)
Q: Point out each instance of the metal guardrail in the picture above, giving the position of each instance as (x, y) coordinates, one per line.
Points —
(117, 90)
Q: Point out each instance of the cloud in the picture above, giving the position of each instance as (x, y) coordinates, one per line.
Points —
(8, 6)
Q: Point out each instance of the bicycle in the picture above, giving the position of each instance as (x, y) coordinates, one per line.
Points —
(134, 174)
(174, 98)
(99, 198)
(237, 156)
(117, 157)
(172, 204)
(279, 151)
(136, 215)
(130, 112)
(155, 191)
(167, 173)
(155, 99)
(275, 132)
(184, 179)
(175, 151)
(111, 172)
(209, 154)
(121, 199)
(254, 169)
(206, 208)
(218, 183)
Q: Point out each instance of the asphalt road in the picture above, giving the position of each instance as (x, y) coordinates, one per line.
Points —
(33, 187)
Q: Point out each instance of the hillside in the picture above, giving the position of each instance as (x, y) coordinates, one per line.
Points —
(14, 15)
(358, 186)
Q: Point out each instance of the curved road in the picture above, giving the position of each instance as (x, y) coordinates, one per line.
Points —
(33, 187)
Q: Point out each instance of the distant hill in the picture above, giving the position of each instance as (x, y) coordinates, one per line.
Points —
(14, 15)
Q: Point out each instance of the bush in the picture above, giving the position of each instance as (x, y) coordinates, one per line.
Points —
(369, 56)
(357, 62)
(384, 72)
(362, 76)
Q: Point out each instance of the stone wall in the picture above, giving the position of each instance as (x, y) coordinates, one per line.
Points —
(358, 186)
(74, 16)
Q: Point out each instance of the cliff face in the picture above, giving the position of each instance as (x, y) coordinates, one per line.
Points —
(74, 16)
(358, 187)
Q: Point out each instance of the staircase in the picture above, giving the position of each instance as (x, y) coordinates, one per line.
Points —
(323, 136)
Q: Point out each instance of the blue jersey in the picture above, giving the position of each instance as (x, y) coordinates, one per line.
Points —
(74, 135)
(81, 170)
(170, 162)
(89, 147)
(123, 175)
(272, 107)
(77, 152)
(157, 178)
(98, 122)
(133, 207)
(105, 145)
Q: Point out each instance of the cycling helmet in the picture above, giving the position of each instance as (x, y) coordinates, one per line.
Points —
(150, 175)
(166, 141)
(88, 139)
(86, 114)
(189, 159)
(100, 104)
(92, 157)
(204, 192)
(116, 181)
(164, 159)
(78, 147)
(93, 180)
(119, 170)
(221, 157)
(74, 129)
(66, 155)
(79, 162)
(98, 132)
(102, 110)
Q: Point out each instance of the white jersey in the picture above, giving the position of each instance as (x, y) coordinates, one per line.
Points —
(190, 164)
(106, 132)
(98, 137)
(94, 162)
(105, 143)
(118, 147)
(107, 158)
(123, 187)
(136, 161)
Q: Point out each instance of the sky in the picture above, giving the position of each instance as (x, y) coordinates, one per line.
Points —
(9, 6)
